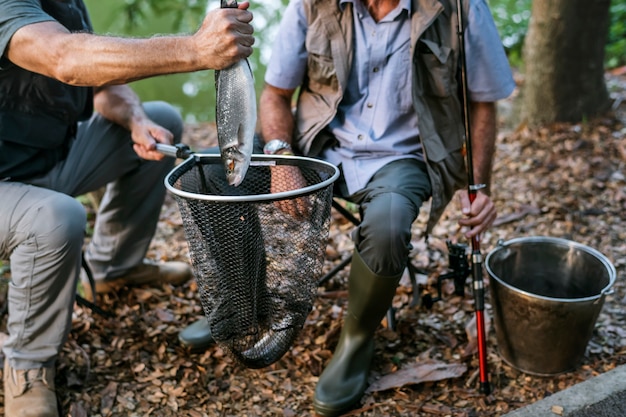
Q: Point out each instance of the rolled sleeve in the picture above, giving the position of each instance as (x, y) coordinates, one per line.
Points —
(489, 73)
(17, 14)
(288, 62)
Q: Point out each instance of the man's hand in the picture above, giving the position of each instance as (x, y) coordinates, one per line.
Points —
(478, 216)
(145, 135)
(225, 36)
(121, 105)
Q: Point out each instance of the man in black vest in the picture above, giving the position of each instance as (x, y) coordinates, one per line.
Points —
(70, 125)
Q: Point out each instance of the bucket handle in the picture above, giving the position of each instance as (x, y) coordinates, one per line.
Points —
(609, 291)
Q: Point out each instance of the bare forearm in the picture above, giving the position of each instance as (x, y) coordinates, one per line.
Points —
(276, 119)
(119, 104)
(122, 60)
(483, 123)
(89, 60)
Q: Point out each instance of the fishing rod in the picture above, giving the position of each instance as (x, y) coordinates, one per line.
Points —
(472, 188)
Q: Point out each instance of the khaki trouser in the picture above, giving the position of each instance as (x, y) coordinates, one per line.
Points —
(42, 229)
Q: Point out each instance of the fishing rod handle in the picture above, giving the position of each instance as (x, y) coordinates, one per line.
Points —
(180, 150)
(477, 283)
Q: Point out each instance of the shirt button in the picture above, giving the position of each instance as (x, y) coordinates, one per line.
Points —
(360, 137)
(370, 105)
(375, 69)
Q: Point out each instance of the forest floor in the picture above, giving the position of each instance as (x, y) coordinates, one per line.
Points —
(565, 180)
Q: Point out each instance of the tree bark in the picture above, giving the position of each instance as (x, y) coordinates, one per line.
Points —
(564, 61)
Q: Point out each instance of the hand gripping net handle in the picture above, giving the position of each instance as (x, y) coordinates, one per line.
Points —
(256, 266)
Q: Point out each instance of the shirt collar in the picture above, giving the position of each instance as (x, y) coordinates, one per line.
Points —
(405, 4)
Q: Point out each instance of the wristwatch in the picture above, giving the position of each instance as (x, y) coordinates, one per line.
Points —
(275, 146)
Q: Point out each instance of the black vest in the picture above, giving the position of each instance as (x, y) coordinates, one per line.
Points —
(38, 115)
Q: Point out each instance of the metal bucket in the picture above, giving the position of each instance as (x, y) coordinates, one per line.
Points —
(546, 295)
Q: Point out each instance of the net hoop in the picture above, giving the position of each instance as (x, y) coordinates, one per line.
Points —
(256, 160)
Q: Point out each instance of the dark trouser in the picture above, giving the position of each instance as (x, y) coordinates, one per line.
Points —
(42, 229)
(389, 205)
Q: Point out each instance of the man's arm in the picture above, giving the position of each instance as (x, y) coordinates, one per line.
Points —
(84, 59)
(482, 212)
(120, 105)
(483, 124)
(277, 122)
(276, 117)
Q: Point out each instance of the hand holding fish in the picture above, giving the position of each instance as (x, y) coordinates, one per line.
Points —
(225, 37)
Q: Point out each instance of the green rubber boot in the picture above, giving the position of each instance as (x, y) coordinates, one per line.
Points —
(344, 380)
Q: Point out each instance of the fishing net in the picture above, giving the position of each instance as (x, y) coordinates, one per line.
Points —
(256, 253)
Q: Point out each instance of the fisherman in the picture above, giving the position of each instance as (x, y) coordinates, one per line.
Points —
(378, 96)
(70, 125)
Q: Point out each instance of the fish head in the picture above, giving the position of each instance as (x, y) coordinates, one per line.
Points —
(235, 165)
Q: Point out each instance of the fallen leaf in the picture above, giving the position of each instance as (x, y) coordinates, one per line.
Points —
(108, 398)
(418, 373)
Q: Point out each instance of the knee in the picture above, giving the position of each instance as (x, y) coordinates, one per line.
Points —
(384, 236)
(60, 222)
(166, 115)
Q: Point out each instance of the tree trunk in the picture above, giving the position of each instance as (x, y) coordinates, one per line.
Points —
(564, 61)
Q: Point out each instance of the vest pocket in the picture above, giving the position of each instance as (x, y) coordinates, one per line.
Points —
(435, 67)
(320, 66)
(321, 73)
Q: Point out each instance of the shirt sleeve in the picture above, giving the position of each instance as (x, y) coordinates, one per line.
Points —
(16, 14)
(288, 60)
(489, 74)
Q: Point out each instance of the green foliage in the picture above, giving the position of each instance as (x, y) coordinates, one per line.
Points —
(185, 15)
(511, 18)
(616, 45)
(5, 268)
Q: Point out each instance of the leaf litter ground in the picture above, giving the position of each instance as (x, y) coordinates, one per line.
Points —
(564, 180)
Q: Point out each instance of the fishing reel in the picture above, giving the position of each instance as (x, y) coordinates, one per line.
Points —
(458, 262)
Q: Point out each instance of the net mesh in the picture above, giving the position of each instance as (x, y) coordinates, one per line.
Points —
(257, 249)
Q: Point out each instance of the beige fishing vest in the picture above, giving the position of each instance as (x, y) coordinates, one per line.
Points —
(435, 55)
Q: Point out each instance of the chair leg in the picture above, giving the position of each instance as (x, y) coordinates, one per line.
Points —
(391, 318)
(334, 271)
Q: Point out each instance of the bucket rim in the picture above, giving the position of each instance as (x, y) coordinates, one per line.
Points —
(259, 160)
(562, 242)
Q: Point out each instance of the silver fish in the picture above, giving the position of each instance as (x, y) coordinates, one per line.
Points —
(235, 116)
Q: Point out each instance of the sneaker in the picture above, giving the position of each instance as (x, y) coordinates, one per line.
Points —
(29, 393)
(175, 273)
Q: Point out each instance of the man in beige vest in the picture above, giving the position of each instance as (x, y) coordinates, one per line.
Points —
(378, 97)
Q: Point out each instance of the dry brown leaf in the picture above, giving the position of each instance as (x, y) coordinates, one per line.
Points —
(418, 373)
